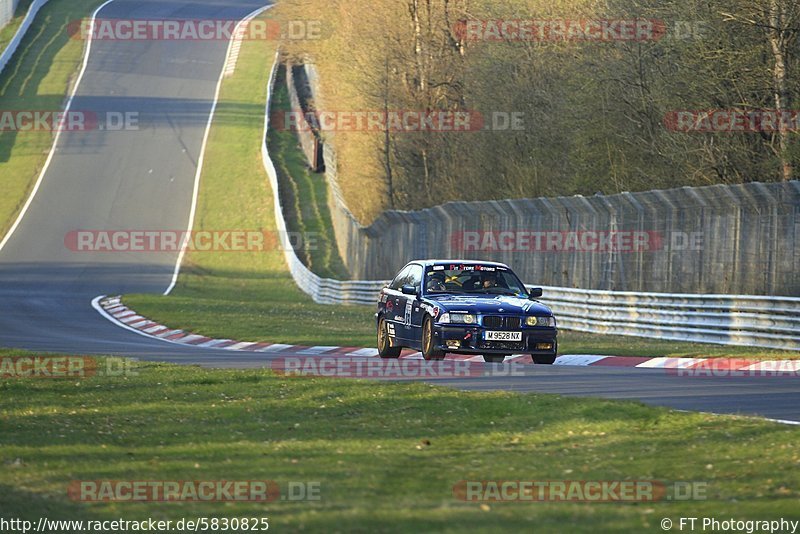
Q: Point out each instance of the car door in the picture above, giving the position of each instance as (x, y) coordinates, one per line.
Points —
(396, 304)
(414, 313)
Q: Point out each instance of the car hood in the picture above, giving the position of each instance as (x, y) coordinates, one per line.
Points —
(490, 304)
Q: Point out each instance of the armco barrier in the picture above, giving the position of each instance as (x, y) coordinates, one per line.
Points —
(5, 57)
(771, 322)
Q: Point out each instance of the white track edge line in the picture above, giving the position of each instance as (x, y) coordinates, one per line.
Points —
(52, 152)
(201, 157)
(742, 415)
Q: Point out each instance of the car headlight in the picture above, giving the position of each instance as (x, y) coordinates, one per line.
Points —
(466, 318)
(540, 320)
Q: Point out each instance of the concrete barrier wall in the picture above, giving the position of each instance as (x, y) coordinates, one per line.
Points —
(727, 239)
(5, 55)
(7, 8)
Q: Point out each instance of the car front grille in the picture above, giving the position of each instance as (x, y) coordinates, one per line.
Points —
(492, 321)
(498, 321)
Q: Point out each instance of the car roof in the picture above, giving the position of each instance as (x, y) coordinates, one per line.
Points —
(429, 263)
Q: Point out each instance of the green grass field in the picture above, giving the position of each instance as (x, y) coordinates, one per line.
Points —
(386, 455)
(304, 195)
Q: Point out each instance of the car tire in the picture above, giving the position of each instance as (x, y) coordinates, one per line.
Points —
(385, 348)
(428, 352)
(544, 360)
(494, 358)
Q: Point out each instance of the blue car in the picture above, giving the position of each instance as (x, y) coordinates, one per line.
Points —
(464, 307)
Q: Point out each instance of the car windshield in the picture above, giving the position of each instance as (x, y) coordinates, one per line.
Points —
(471, 279)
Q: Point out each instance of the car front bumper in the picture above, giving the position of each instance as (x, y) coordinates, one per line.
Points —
(469, 339)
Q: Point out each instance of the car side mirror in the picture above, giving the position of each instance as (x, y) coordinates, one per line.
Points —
(408, 289)
(535, 293)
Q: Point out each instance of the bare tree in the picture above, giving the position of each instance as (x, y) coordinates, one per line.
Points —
(780, 20)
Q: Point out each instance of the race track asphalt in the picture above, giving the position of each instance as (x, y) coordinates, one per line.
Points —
(143, 180)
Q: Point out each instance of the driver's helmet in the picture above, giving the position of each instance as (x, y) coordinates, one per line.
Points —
(435, 282)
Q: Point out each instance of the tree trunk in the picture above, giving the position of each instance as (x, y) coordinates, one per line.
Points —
(414, 9)
(778, 42)
(387, 140)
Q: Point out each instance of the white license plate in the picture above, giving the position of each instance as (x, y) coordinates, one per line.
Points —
(503, 336)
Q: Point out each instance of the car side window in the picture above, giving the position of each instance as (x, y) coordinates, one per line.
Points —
(415, 277)
(399, 280)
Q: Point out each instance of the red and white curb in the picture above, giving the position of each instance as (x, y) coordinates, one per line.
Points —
(116, 312)
(236, 42)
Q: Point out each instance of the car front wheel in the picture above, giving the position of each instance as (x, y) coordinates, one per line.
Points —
(546, 360)
(494, 358)
(385, 348)
(428, 350)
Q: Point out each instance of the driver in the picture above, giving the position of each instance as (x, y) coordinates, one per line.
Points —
(436, 282)
(488, 280)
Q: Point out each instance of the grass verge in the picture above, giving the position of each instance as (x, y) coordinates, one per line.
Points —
(386, 456)
(304, 195)
(38, 77)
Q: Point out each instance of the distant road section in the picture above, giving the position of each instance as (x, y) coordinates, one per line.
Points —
(145, 103)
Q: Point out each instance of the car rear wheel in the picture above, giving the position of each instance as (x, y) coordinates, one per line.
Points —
(545, 360)
(428, 350)
(494, 358)
(385, 348)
